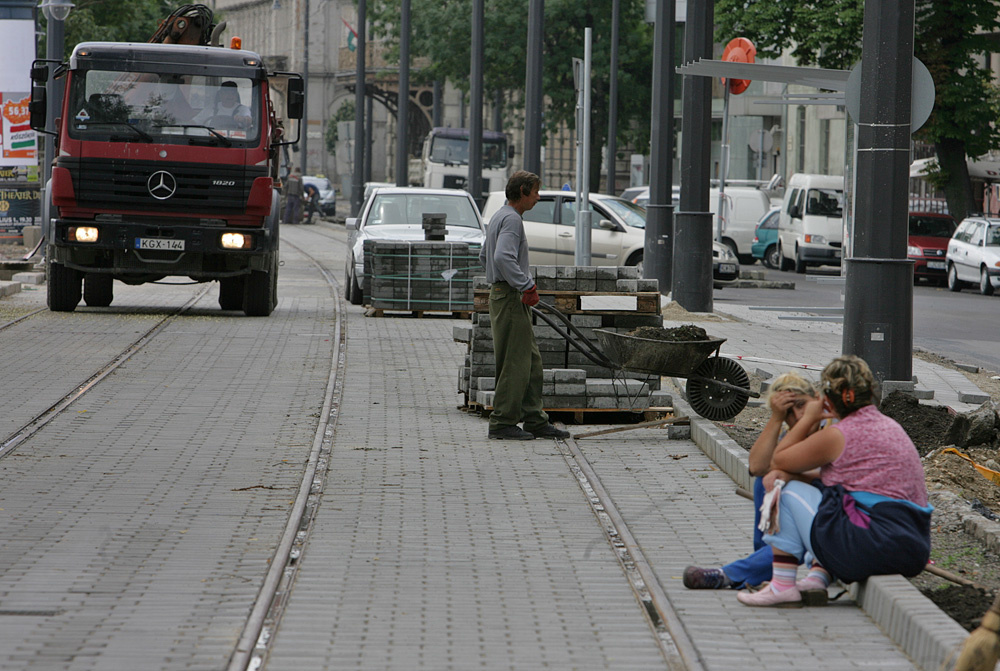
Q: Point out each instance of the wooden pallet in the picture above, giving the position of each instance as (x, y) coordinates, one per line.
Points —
(418, 314)
(568, 302)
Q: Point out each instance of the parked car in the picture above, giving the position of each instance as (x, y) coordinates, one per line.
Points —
(765, 239)
(396, 213)
(327, 194)
(974, 255)
(745, 205)
(927, 244)
(811, 228)
(618, 233)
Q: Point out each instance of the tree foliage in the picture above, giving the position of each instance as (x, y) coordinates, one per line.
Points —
(950, 38)
(441, 33)
(344, 113)
(115, 20)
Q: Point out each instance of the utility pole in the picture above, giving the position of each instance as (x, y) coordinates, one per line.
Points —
(476, 105)
(358, 187)
(878, 298)
(612, 186)
(692, 252)
(533, 89)
(657, 252)
(403, 100)
(305, 93)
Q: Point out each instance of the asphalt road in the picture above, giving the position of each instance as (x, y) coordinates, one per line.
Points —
(961, 326)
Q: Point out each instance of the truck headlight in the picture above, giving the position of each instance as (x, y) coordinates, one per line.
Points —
(83, 233)
(236, 241)
(816, 239)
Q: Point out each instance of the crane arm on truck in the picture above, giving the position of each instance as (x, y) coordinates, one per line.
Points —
(188, 24)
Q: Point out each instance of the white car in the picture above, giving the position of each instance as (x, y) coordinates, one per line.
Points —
(396, 213)
(618, 232)
(974, 255)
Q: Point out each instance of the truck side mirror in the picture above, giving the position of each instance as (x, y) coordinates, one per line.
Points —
(794, 212)
(296, 98)
(40, 74)
(36, 108)
(510, 151)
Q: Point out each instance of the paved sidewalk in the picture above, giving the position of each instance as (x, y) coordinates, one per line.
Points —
(435, 548)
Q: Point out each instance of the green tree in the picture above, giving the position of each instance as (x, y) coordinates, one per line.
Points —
(115, 20)
(344, 113)
(951, 38)
(441, 32)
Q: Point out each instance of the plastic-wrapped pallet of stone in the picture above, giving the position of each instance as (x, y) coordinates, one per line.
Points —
(420, 275)
(611, 298)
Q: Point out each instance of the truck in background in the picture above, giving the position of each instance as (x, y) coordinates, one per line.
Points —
(445, 160)
(166, 165)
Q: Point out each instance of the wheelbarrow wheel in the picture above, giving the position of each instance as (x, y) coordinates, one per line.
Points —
(711, 400)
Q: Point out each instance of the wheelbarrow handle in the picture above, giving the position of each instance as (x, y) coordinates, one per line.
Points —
(724, 385)
(594, 354)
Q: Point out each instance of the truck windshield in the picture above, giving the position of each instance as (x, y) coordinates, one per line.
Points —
(166, 108)
(455, 151)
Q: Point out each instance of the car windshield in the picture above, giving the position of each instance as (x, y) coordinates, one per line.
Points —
(168, 108)
(826, 202)
(633, 215)
(396, 209)
(931, 227)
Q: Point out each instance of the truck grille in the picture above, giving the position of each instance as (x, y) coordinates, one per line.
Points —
(188, 187)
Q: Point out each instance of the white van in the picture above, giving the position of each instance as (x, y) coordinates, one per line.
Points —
(745, 205)
(811, 227)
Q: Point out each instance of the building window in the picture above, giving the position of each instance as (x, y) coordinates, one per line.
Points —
(801, 130)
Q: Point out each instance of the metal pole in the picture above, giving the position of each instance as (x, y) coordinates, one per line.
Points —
(583, 214)
(692, 251)
(358, 186)
(436, 108)
(55, 42)
(612, 185)
(878, 298)
(533, 89)
(476, 105)
(305, 92)
(658, 249)
(721, 215)
(403, 106)
(369, 135)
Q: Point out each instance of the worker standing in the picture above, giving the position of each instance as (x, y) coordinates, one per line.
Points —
(293, 197)
(518, 394)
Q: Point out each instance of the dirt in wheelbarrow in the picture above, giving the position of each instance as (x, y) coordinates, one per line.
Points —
(955, 489)
(685, 333)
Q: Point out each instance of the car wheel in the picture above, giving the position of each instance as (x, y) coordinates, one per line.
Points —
(954, 284)
(800, 265)
(636, 260)
(985, 286)
(785, 263)
(354, 294)
(772, 258)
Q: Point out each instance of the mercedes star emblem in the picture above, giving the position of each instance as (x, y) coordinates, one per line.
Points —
(161, 185)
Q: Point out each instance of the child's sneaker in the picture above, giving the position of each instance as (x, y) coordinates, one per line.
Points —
(768, 598)
(705, 578)
(813, 591)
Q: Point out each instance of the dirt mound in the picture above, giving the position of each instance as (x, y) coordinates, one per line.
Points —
(945, 470)
(966, 605)
(927, 426)
(685, 333)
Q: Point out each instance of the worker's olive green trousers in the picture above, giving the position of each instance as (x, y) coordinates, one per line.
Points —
(519, 365)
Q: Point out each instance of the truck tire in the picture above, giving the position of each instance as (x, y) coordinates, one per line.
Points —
(64, 288)
(98, 290)
(260, 294)
(231, 290)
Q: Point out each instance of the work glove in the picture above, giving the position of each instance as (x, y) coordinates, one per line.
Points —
(530, 296)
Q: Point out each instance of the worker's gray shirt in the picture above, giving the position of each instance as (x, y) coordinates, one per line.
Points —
(505, 250)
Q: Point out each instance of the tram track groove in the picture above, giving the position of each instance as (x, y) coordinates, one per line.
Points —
(34, 425)
(22, 318)
(253, 644)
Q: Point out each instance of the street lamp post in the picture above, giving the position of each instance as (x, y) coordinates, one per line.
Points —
(56, 12)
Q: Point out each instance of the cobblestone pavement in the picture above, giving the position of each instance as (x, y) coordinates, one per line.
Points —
(136, 528)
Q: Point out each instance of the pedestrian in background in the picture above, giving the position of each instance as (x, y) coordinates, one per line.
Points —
(293, 197)
(518, 394)
(311, 194)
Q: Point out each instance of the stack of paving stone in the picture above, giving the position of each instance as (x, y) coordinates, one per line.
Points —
(420, 275)
(434, 226)
(571, 381)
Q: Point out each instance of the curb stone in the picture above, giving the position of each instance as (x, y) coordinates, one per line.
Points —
(912, 621)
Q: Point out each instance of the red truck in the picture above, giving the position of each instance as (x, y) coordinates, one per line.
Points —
(166, 166)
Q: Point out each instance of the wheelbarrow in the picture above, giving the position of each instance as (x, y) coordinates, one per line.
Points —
(717, 388)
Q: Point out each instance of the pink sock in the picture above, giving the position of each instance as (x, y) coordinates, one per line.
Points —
(783, 574)
(817, 572)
